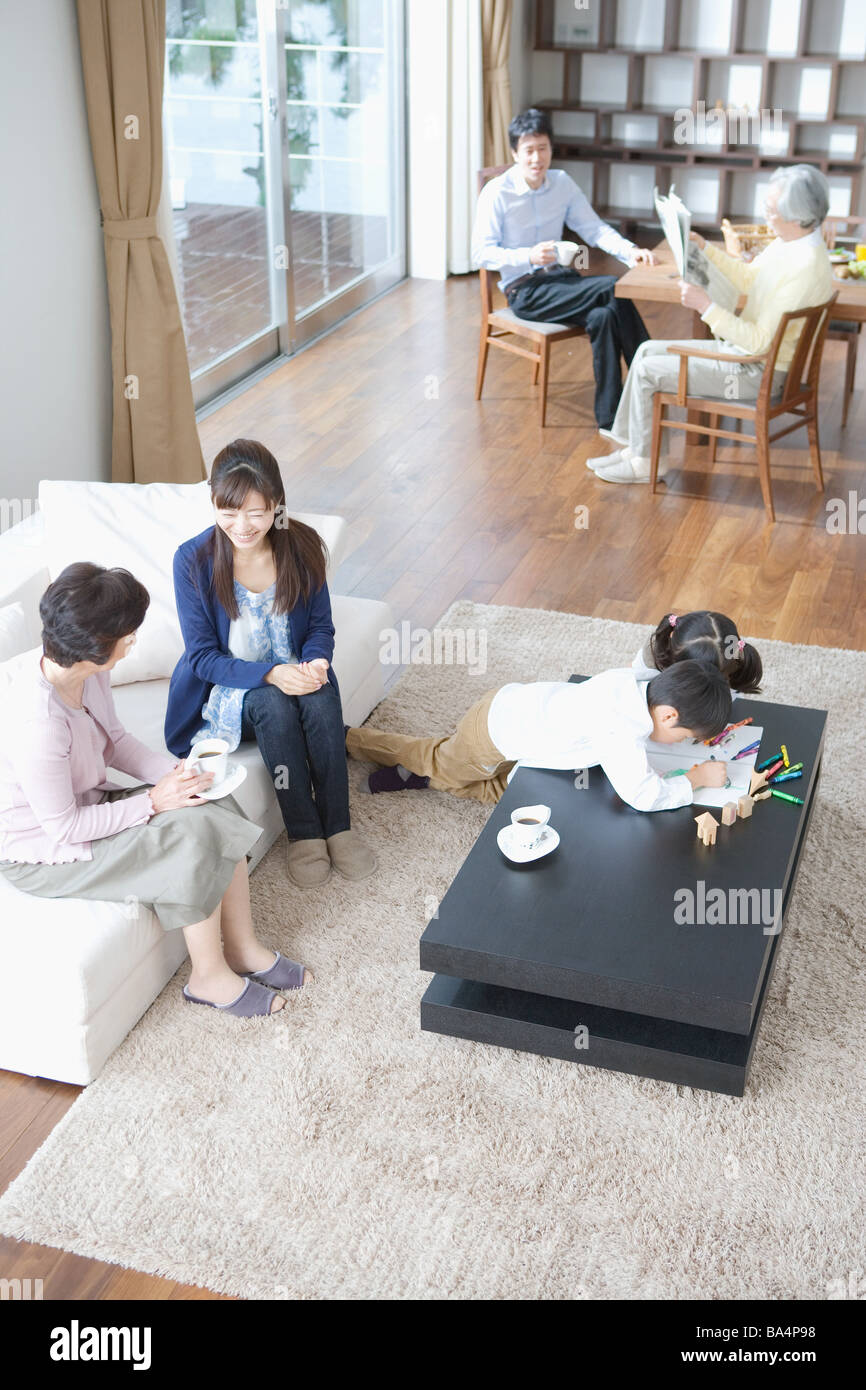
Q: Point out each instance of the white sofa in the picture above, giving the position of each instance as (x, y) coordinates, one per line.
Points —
(110, 960)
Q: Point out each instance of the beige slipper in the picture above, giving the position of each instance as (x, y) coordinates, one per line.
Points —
(350, 856)
(308, 863)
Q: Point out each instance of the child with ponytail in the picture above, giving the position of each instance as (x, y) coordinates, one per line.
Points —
(701, 636)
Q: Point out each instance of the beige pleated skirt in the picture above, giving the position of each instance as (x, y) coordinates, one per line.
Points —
(179, 863)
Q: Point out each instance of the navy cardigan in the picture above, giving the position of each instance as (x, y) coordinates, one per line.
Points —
(207, 662)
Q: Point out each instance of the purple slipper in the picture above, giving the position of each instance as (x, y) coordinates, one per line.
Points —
(252, 1001)
(396, 779)
(283, 974)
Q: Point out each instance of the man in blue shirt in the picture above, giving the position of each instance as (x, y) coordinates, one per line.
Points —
(519, 219)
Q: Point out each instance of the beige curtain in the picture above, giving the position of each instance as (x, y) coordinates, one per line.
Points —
(496, 42)
(154, 436)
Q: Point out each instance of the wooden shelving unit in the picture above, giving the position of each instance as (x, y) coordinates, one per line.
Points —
(621, 160)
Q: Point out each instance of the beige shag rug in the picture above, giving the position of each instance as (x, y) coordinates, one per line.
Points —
(338, 1152)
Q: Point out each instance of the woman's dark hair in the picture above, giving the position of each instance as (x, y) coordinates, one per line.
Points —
(300, 554)
(698, 692)
(711, 637)
(87, 610)
(531, 122)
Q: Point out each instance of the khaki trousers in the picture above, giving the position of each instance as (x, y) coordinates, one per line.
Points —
(465, 763)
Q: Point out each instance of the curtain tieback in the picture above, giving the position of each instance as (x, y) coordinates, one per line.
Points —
(134, 229)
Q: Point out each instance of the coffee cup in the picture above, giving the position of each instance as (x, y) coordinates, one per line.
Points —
(210, 755)
(566, 252)
(528, 824)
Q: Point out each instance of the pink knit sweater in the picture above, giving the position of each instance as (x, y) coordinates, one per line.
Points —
(53, 766)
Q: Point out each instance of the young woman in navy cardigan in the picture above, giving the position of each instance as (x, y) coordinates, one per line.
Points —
(255, 614)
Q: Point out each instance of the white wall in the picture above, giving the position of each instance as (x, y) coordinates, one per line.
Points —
(55, 358)
(445, 136)
(427, 57)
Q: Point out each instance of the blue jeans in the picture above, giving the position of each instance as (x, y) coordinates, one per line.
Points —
(303, 744)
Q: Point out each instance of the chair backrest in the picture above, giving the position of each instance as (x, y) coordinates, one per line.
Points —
(806, 362)
(485, 277)
(831, 226)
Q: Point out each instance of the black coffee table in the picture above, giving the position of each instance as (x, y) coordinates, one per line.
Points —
(579, 956)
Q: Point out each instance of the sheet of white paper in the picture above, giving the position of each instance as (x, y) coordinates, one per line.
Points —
(692, 264)
(665, 757)
(676, 222)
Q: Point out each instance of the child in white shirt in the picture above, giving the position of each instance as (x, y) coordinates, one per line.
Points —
(561, 724)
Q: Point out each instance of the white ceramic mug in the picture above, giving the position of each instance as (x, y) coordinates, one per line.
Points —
(528, 824)
(566, 252)
(210, 755)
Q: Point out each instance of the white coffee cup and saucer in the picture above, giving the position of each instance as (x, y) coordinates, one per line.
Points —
(529, 836)
(212, 755)
(565, 251)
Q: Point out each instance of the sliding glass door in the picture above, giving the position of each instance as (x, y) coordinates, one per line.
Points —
(284, 135)
(344, 115)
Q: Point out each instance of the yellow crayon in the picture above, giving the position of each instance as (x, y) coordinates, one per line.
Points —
(785, 759)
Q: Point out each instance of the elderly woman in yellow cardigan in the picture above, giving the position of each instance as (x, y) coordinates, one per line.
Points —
(792, 273)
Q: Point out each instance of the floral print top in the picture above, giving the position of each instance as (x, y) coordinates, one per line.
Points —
(256, 634)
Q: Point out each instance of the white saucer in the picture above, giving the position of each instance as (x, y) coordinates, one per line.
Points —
(549, 840)
(235, 774)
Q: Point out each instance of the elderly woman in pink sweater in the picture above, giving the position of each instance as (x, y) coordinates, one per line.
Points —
(65, 831)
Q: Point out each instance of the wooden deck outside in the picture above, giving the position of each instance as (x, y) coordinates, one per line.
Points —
(223, 259)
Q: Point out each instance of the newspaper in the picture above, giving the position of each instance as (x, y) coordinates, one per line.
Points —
(690, 260)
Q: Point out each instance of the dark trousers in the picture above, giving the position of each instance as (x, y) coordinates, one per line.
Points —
(303, 744)
(614, 327)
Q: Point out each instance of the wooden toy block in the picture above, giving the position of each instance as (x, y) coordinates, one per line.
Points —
(707, 827)
(729, 813)
(757, 783)
(745, 806)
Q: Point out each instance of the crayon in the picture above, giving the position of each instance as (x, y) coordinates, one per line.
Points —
(768, 762)
(730, 729)
(744, 752)
(785, 757)
(783, 796)
(785, 777)
(775, 768)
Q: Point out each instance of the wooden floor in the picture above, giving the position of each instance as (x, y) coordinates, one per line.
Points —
(449, 498)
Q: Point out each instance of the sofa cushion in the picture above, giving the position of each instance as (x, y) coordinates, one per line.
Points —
(137, 528)
(13, 632)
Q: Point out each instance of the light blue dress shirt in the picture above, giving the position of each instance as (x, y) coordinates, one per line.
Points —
(258, 634)
(511, 218)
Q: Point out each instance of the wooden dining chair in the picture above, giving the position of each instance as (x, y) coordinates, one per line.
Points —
(498, 324)
(798, 396)
(845, 331)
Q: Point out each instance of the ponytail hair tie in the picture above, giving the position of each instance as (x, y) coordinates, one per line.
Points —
(672, 619)
(740, 644)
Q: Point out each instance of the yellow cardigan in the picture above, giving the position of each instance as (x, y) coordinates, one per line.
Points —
(788, 275)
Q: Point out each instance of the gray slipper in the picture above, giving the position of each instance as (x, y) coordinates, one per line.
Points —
(253, 1000)
(283, 974)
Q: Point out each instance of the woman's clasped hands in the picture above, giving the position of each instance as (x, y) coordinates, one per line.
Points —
(302, 679)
